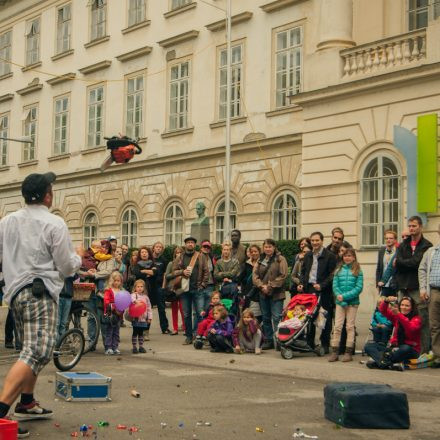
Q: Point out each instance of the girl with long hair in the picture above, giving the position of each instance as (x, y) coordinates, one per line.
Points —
(247, 336)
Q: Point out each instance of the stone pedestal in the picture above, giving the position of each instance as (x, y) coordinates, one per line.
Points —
(201, 232)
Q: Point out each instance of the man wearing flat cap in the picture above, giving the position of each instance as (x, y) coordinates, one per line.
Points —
(192, 266)
(36, 252)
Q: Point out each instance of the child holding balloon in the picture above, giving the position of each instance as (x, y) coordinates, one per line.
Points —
(141, 312)
(113, 308)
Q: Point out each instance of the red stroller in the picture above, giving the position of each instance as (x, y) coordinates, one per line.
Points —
(295, 340)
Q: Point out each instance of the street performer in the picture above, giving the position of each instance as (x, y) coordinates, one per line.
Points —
(37, 252)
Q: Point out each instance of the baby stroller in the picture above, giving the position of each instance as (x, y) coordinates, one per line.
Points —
(290, 340)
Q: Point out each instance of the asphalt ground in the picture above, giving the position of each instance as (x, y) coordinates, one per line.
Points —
(239, 396)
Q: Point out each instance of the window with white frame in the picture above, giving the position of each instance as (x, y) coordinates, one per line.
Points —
(4, 128)
(90, 229)
(421, 11)
(381, 200)
(285, 217)
(236, 75)
(98, 19)
(129, 227)
(174, 225)
(95, 117)
(30, 131)
(288, 64)
(220, 220)
(179, 96)
(61, 125)
(33, 41)
(5, 53)
(136, 12)
(135, 104)
(176, 4)
(64, 28)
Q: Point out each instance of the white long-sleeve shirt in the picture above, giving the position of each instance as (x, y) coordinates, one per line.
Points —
(36, 244)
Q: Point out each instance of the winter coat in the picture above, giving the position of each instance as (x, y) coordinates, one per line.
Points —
(379, 319)
(202, 270)
(227, 269)
(348, 285)
(412, 327)
(407, 263)
(224, 328)
(109, 303)
(274, 277)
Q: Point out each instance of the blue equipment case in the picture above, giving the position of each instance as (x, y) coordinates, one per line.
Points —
(83, 386)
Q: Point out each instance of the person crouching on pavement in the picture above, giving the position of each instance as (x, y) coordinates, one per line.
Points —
(112, 316)
(208, 318)
(247, 336)
(143, 322)
(220, 333)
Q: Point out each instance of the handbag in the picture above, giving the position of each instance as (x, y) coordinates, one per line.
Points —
(181, 283)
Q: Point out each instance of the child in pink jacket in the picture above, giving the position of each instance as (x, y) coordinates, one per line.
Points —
(142, 323)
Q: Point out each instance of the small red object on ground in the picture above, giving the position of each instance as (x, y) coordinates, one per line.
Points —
(74, 434)
(121, 427)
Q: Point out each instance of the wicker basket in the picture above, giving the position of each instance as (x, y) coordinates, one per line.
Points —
(82, 291)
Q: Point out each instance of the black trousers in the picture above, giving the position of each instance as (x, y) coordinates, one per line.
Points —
(10, 328)
(220, 343)
(328, 305)
(157, 297)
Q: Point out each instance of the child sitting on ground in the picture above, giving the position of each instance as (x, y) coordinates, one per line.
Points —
(381, 326)
(143, 322)
(111, 315)
(247, 336)
(220, 333)
(295, 317)
(208, 319)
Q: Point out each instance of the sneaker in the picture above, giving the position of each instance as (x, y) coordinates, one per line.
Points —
(142, 350)
(398, 366)
(188, 341)
(22, 433)
(109, 352)
(9, 344)
(372, 365)
(116, 351)
(31, 411)
(135, 350)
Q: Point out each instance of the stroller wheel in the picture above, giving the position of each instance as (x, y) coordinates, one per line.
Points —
(198, 344)
(286, 353)
(319, 350)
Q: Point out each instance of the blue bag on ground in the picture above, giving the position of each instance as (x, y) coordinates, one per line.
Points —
(365, 405)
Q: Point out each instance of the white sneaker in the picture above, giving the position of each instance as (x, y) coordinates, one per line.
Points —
(116, 351)
(109, 351)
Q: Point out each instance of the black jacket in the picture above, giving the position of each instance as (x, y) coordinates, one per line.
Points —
(407, 263)
(326, 266)
(379, 266)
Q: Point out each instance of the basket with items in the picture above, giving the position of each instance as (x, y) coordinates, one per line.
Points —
(82, 291)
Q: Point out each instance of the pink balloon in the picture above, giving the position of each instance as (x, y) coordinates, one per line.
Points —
(122, 301)
(137, 309)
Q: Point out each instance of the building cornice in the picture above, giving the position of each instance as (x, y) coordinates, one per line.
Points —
(180, 10)
(97, 41)
(178, 39)
(235, 19)
(136, 26)
(366, 85)
(95, 67)
(134, 54)
(31, 66)
(30, 89)
(279, 4)
(62, 54)
(7, 97)
(62, 78)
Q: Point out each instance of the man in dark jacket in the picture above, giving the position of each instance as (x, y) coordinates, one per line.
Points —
(317, 277)
(156, 293)
(408, 258)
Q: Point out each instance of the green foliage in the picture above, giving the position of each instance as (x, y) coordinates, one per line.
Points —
(288, 248)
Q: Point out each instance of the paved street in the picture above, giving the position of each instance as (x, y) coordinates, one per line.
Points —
(181, 386)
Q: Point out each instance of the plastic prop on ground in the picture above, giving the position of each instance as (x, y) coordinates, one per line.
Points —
(300, 434)
(122, 301)
(135, 393)
(137, 309)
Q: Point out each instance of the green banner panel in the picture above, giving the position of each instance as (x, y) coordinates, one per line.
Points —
(427, 163)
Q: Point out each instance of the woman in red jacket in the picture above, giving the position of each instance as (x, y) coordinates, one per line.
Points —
(405, 342)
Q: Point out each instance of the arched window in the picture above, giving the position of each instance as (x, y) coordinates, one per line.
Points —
(285, 217)
(220, 220)
(129, 227)
(174, 225)
(380, 192)
(90, 229)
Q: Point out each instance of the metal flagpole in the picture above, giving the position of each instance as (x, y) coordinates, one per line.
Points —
(227, 224)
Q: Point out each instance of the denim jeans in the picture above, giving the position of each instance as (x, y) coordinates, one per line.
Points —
(271, 310)
(207, 292)
(194, 299)
(403, 353)
(63, 315)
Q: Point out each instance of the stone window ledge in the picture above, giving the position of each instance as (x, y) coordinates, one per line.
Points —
(6, 75)
(30, 89)
(7, 97)
(278, 5)
(180, 10)
(174, 133)
(59, 157)
(60, 79)
(234, 121)
(142, 140)
(177, 39)
(235, 19)
(94, 150)
(283, 111)
(97, 41)
(62, 55)
(28, 163)
(31, 66)
(136, 26)
(134, 54)
(95, 67)
(4, 168)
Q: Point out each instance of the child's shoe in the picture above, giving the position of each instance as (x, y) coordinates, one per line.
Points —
(116, 351)
(142, 350)
(135, 350)
(109, 352)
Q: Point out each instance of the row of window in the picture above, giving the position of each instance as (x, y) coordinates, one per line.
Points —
(284, 222)
(380, 211)
(136, 13)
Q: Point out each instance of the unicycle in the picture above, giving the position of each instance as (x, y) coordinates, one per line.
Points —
(69, 349)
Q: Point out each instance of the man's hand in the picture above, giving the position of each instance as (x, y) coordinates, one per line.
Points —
(187, 273)
(391, 299)
(317, 287)
(424, 296)
(299, 287)
(381, 284)
(265, 289)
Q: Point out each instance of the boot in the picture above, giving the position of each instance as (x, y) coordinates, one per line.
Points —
(334, 355)
(348, 355)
